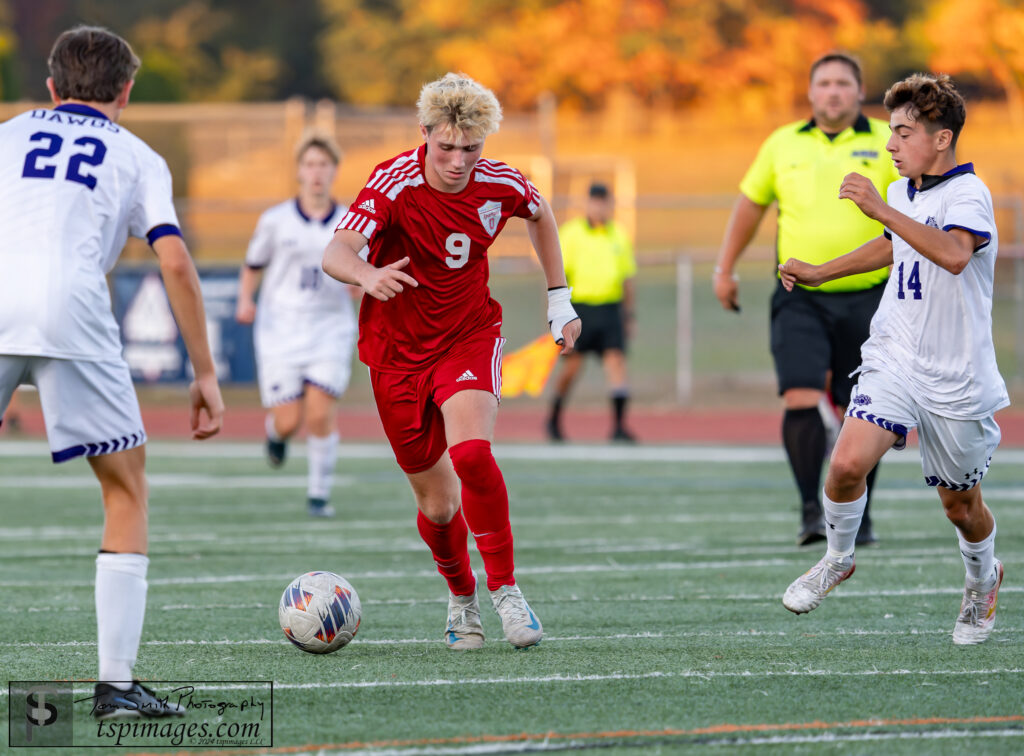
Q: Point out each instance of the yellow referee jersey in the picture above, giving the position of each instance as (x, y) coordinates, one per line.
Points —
(597, 260)
(799, 166)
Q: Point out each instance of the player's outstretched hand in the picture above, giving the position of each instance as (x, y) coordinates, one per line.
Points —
(245, 312)
(864, 194)
(570, 333)
(387, 282)
(793, 272)
(563, 321)
(207, 407)
(727, 289)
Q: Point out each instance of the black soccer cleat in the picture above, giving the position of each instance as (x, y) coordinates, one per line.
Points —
(276, 452)
(138, 702)
(319, 508)
(624, 436)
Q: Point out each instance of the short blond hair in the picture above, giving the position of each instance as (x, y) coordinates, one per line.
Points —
(321, 141)
(457, 101)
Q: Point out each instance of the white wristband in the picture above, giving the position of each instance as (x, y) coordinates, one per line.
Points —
(560, 311)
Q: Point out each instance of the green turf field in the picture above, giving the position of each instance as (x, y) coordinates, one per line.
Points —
(657, 573)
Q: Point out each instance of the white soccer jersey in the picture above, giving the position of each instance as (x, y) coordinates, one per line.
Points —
(933, 329)
(73, 186)
(303, 314)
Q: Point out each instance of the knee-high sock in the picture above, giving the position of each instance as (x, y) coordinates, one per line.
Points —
(448, 547)
(842, 519)
(803, 435)
(120, 611)
(619, 398)
(323, 453)
(980, 557)
(485, 504)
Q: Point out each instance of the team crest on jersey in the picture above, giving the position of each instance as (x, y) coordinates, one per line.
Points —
(490, 216)
(862, 400)
(931, 222)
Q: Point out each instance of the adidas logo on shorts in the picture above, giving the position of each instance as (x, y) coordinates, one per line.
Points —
(467, 376)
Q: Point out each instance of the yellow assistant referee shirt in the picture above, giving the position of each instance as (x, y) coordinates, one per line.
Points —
(799, 166)
(597, 260)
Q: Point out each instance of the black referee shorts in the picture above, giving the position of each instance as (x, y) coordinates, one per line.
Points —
(602, 328)
(814, 332)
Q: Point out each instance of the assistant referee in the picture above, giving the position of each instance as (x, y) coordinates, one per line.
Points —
(816, 334)
(599, 266)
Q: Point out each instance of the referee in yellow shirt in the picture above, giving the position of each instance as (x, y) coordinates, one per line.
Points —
(816, 334)
(599, 266)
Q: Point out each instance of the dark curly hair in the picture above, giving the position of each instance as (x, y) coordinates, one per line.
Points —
(91, 64)
(932, 98)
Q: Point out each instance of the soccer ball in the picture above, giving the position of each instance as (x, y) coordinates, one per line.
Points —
(320, 612)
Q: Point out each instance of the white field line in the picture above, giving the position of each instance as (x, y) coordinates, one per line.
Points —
(546, 570)
(686, 674)
(282, 641)
(706, 676)
(781, 549)
(170, 480)
(542, 745)
(341, 526)
(601, 453)
(57, 532)
(845, 591)
(530, 452)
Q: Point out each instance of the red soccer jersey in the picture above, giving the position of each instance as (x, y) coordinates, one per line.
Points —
(446, 237)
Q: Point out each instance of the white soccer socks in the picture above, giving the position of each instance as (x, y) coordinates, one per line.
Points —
(842, 519)
(323, 453)
(120, 611)
(980, 557)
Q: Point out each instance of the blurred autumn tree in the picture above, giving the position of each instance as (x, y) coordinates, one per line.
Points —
(745, 56)
(988, 44)
(193, 50)
(662, 51)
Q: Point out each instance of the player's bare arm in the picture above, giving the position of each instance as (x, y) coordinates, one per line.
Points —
(183, 292)
(248, 283)
(342, 262)
(743, 222)
(873, 255)
(565, 324)
(950, 250)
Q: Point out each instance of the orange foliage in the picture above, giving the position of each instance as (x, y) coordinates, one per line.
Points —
(981, 37)
(679, 51)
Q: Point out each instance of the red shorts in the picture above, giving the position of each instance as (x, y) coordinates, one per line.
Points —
(410, 403)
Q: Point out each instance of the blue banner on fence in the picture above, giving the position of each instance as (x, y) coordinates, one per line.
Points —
(153, 347)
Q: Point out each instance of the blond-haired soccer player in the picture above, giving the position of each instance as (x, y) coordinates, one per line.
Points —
(431, 335)
(305, 324)
(929, 362)
(73, 186)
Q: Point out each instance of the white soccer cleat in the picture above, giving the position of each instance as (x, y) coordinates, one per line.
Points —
(807, 591)
(521, 626)
(978, 611)
(465, 631)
